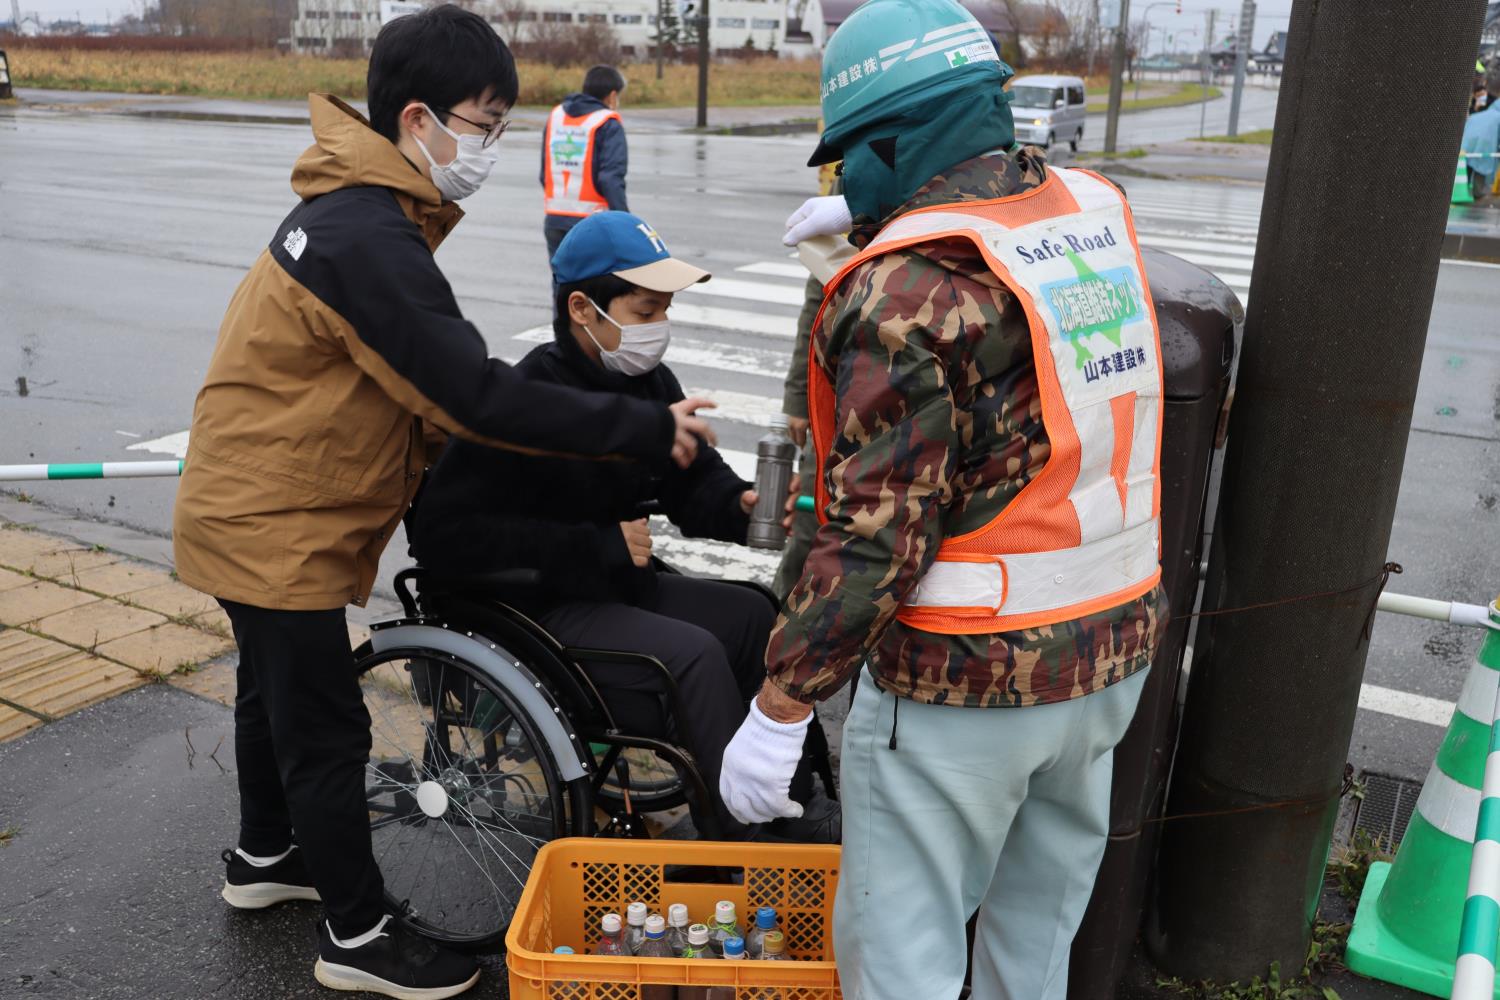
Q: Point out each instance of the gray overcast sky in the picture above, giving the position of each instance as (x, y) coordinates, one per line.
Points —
(1185, 30)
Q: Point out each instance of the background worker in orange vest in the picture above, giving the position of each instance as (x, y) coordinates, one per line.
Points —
(985, 402)
(584, 156)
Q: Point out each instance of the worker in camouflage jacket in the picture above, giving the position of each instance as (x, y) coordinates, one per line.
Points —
(977, 757)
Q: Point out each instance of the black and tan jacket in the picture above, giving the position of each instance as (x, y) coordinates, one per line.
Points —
(342, 351)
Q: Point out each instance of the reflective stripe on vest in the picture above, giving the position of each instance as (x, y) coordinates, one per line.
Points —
(568, 174)
(1084, 535)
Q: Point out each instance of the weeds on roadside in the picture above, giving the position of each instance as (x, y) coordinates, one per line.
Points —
(1349, 865)
(8, 833)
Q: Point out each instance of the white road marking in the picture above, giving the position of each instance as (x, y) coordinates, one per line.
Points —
(1175, 243)
(714, 317)
(755, 291)
(738, 407)
(1403, 705)
(1468, 263)
(742, 462)
(775, 268)
(175, 445)
(720, 560)
(129, 434)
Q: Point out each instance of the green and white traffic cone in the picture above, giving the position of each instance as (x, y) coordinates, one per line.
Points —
(1406, 930)
(1461, 193)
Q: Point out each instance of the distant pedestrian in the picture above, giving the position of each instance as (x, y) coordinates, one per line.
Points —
(1481, 147)
(584, 156)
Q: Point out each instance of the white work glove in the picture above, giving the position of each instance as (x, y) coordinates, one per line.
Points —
(825, 216)
(756, 777)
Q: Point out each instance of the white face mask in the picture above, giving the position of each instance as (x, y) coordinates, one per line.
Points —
(641, 345)
(471, 164)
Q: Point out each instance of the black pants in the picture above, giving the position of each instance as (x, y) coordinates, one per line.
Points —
(554, 229)
(710, 635)
(301, 740)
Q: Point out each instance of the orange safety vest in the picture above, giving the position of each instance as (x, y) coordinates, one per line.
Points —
(568, 173)
(1084, 535)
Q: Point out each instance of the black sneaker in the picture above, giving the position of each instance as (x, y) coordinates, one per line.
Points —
(394, 963)
(250, 888)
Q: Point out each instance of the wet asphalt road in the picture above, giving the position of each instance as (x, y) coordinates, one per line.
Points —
(121, 240)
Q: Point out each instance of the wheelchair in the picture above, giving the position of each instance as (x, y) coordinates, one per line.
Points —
(489, 740)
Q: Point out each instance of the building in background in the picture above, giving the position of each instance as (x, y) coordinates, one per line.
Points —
(782, 27)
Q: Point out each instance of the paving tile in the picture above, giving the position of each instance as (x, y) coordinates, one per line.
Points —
(92, 625)
(18, 547)
(215, 621)
(14, 724)
(9, 580)
(38, 599)
(69, 559)
(175, 599)
(215, 682)
(164, 648)
(117, 579)
(51, 678)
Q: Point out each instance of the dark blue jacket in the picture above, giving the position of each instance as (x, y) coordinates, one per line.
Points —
(611, 158)
(484, 509)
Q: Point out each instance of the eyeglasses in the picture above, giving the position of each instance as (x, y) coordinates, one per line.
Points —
(491, 132)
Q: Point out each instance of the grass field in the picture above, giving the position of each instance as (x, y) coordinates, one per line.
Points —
(1260, 137)
(268, 76)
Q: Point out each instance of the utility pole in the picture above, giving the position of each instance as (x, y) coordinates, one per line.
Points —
(1092, 36)
(703, 53)
(1340, 301)
(661, 34)
(1116, 77)
(1241, 61)
(1208, 62)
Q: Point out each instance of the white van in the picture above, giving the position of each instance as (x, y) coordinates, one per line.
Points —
(1048, 109)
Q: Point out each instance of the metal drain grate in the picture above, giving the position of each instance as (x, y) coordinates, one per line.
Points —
(1387, 807)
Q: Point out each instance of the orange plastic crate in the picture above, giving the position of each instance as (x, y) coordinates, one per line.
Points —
(574, 882)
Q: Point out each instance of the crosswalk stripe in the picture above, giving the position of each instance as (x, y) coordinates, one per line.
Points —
(175, 445)
(775, 268)
(1172, 244)
(755, 291)
(718, 318)
(721, 560)
(737, 407)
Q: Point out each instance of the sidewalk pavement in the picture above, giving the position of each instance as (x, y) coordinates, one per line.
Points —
(83, 620)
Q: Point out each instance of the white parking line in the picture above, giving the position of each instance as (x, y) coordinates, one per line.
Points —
(1403, 705)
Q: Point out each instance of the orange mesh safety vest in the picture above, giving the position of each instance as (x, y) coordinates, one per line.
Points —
(1084, 535)
(568, 177)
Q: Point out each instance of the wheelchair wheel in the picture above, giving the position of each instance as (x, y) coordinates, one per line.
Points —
(462, 793)
(654, 784)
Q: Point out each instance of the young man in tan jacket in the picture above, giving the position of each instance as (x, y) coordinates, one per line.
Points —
(343, 354)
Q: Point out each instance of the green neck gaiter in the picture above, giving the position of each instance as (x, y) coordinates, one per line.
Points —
(928, 140)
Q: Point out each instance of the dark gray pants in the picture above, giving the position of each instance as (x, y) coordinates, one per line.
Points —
(711, 636)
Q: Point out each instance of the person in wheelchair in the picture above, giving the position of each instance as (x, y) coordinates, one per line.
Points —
(578, 524)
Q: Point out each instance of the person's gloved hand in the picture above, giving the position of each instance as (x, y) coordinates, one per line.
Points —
(824, 216)
(756, 778)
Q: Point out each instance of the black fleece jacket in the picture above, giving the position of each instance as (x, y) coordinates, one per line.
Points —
(484, 509)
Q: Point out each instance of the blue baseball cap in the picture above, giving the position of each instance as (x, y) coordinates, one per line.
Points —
(621, 244)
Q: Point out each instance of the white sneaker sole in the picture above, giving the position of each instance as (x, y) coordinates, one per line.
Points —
(343, 977)
(259, 895)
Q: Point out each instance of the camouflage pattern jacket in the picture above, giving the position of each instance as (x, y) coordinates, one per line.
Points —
(938, 427)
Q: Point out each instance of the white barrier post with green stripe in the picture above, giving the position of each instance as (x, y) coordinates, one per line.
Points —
(88, 470)
(1474, 976)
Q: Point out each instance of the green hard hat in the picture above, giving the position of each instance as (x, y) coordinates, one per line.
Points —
(890, 56)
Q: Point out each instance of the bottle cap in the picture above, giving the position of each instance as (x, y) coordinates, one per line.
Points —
(677, 915)
(765, 918)
(610, 924)
(655, 926)
(734, 947)
(777, 421)
(636, 914)
(724, 912)
(774, 943)
(698, 935)
(562, 949)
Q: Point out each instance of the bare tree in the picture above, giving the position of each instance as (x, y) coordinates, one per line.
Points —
(510, 17)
